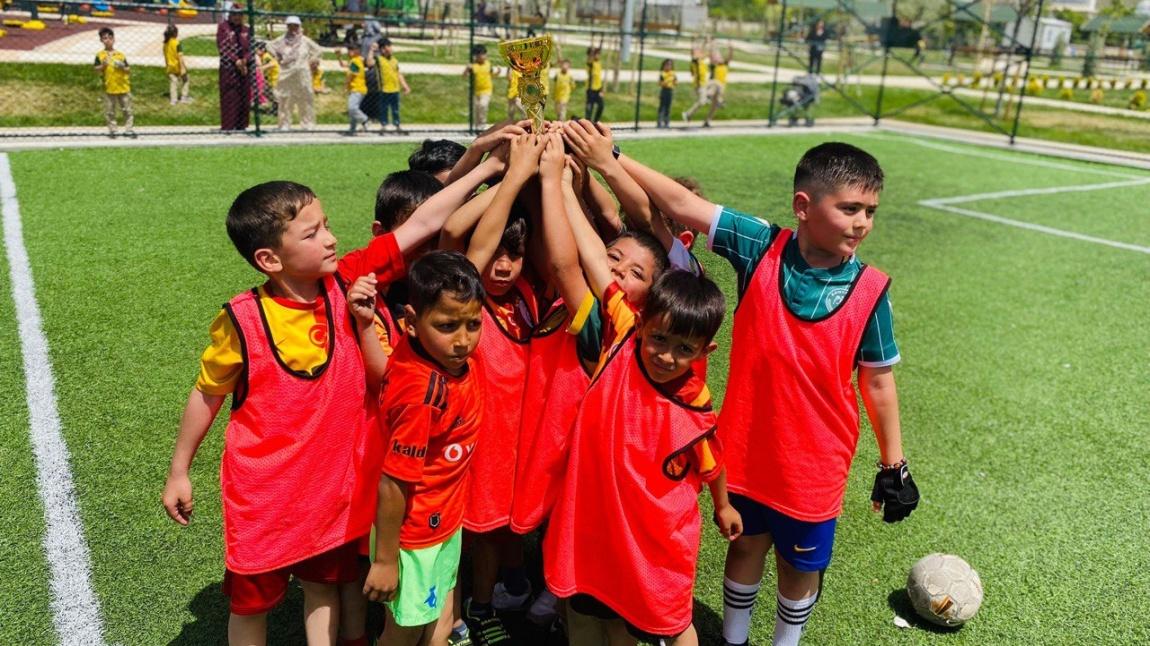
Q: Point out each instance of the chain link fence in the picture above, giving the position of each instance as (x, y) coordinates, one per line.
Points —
(183, 68)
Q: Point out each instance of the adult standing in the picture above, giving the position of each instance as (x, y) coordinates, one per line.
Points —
(817, 39)
(298, 56)
(233, 40)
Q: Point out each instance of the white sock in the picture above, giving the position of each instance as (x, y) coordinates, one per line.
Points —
(790, 617)
(738, 601)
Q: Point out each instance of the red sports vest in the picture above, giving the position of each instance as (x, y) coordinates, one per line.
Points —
(623, 530)
(556, 382)
(295, 477)
(504, 360)
(790, 416)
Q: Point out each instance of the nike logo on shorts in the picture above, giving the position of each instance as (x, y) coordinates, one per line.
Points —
(805, 549)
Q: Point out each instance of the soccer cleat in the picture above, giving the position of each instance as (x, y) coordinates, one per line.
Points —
(489, 631)
(545, 609)
(455, 639)
(501, 599)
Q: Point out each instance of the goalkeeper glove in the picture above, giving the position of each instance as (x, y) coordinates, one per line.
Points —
(895, 490)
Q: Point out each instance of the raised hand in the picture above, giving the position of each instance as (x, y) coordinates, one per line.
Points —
(553, 160)
(361, 299)
(592, 143)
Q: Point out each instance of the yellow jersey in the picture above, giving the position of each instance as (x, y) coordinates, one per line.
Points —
(299, 331)
(700, 71)
(356, 75)
(720, 74)
(513, 84)
(595, 76)
(481, 75)
(667, 79)
(115, 73)
(564, 84)
(271, 68)
(172, 51)
(388, 74)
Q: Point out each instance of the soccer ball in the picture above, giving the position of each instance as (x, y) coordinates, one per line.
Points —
(944, 589)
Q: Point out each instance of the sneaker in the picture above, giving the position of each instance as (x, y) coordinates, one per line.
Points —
(545, 610)
(489, 631)
(706, 124)
(686, 118)
(348, 133)
(455, 639)
(187, 99)
(131, 134)
(501, 599)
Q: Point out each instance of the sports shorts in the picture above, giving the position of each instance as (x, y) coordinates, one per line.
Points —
(586, 604)
(806, 546)
(253, 594)
(426, 579)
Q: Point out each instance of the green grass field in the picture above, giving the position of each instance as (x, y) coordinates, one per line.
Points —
(1023, 383)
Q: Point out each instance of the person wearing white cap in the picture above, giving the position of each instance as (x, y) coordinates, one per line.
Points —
(298, 56)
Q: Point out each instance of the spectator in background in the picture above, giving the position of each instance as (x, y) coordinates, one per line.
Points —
(817, 39)
(175, 67)
(299, 58)
(233, 39)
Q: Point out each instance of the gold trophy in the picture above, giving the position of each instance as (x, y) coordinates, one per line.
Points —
(531, 58)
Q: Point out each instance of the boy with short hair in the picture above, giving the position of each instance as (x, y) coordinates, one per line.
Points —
(113, 67)
(391, 81)
(437, 157)
(356, 87)
(481, 72)
(641, 448)
(431, 407)
(829, 315)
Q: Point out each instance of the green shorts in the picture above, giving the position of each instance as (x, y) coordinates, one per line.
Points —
(426, 579)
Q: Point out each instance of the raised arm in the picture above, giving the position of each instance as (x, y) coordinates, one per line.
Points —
(592, 251)
(483, 144)
(525, 152)
(361, 298)
(429, 217)
(673, 199)
(562, 256)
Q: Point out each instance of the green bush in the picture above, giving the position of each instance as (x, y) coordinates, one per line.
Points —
(1138, 101)
(1034, 87)
(1097, 96)
(1066, 94)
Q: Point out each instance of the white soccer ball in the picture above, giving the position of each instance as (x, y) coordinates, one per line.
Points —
(944, 589)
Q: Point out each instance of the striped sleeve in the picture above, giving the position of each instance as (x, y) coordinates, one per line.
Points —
(742, 239)
(878, 348)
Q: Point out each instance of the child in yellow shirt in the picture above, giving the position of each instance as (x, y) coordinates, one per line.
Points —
(666, 93)
(175, 67)
(113, 67)
(356, 87)
(564, 84)
(481, 72)
(594, 109)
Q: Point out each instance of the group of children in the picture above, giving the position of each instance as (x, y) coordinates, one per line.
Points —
(558, 88)
(522, 359)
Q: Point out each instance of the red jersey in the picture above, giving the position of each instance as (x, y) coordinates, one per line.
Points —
(432, 422)
(625, 527)
(288, 429)
(503, 352)
(790, 417)
(556, 382)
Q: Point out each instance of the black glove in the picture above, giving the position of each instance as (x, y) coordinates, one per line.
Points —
(895, 490)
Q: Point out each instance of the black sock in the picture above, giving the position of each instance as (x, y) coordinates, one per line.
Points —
(515, 580)
(480, 610)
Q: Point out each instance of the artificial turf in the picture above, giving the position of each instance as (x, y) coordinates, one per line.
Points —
(1022, 385)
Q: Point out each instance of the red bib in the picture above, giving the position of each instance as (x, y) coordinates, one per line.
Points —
(295, 477)
(790, 416)
(556, 382)
(504, 361)
(623, 530)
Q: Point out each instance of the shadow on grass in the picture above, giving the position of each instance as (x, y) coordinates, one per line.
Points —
(899, 602)
(210, 607)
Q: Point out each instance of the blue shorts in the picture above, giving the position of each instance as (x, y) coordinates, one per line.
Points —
(806, 546)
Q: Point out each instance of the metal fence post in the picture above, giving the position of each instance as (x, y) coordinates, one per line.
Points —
(642, 46)
(1026, 74)
(778, 53)
(470, 76)
(254, 102)
(885, 60)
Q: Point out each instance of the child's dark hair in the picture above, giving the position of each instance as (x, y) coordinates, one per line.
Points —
(691, 184)
(435, 155)
(651, 244)
(834, 165)
(694, 305)
(666, 62)
(171, 32)
(515, 234)
(478, 49)
(106, 31)
(259, 216)
(439, 272)
(400, 194)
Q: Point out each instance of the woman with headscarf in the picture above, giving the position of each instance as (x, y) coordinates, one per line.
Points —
(298, 56)
(233, 40)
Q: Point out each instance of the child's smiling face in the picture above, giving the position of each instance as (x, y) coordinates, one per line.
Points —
(633, 268)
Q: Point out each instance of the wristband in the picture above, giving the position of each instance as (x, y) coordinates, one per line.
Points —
(884, 467)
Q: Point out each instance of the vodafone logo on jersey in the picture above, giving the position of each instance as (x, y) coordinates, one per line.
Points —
(456, 452)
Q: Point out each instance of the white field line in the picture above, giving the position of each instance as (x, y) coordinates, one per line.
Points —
(946, 204)
(76, 611)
